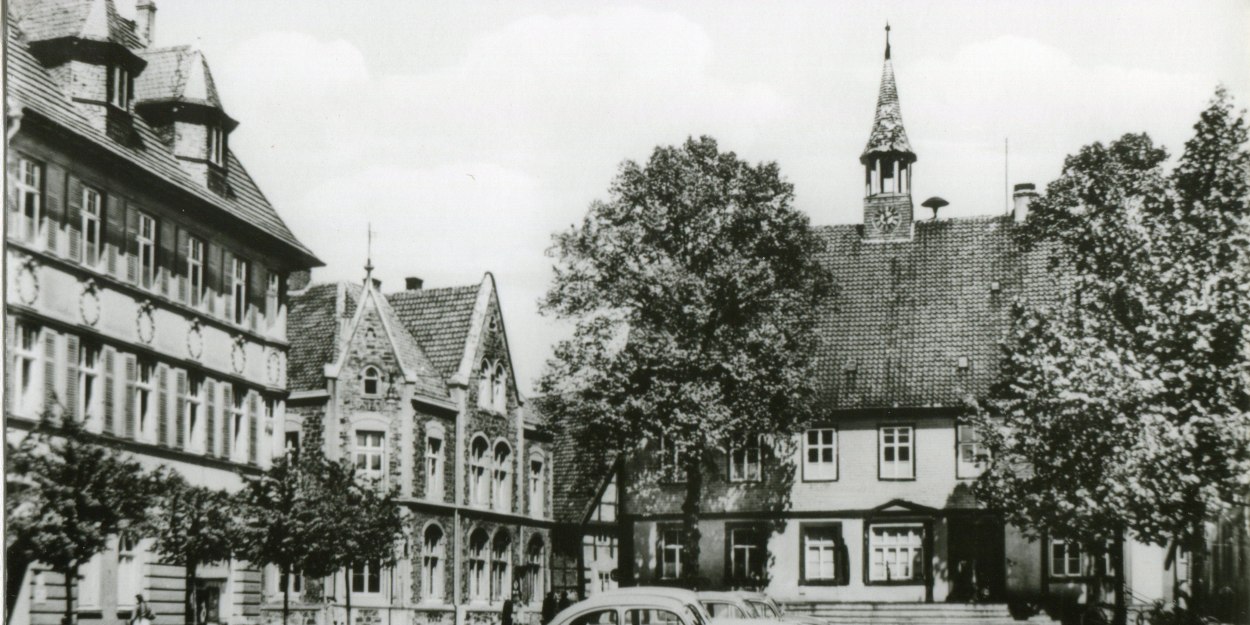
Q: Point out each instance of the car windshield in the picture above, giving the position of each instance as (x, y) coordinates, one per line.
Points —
(695, 614)
(764, 609)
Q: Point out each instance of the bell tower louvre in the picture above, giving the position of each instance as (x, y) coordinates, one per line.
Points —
(887, 160)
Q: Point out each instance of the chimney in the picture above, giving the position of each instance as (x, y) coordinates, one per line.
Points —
(413, 283)
(145, 21)
(298, 280)
(1022, 198)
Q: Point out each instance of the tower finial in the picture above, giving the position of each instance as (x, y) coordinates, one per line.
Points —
(887, 40)
(369, 252)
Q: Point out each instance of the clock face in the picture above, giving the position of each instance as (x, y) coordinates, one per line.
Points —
(887, 218)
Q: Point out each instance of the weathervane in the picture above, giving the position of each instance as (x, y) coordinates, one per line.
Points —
(887, 40)
(368, 251)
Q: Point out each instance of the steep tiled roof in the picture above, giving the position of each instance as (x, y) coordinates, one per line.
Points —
(581, 474)
(313, 328)
(429, 381)
(179, 74)
(97, 20)
(904, 314)
(439, 319)
(888, 134)
(31, 87)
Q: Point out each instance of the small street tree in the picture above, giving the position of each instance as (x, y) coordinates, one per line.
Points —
(369, 526)
(693, 292)
(73, 495)
(1124, 404)
(193, 526)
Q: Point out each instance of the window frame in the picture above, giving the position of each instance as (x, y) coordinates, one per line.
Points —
(363, 449)
(537, 480)
(834, 530)
(369, 576)
(120, 89)
(1085, 567)
(741, 455)
(501, 477)
(499, 388)
(196, 290)
(194, 417)
(215, 145)
(910, 448)
(239, 270)
(670, 552)
(501, 565)
(371, 373)
(435, 483)
(479, 472)
(145, 400)
(433, 565)
(478, 561)
(28, 367)
(754, 549)
(130, 579)
(92, 226)
(808, 467)
(30, 198)
(91, 385)
(670, 464)
(273, 288)
(917, 577)
(973, 470)
(145, 242)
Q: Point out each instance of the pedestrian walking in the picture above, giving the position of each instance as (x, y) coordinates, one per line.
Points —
(566, 600)
(507, 612)
(549, 606)
(143, 613)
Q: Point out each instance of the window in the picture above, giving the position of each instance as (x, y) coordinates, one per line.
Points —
(502, 486)
(290, 443)
(194, 408)
(195, 271)
(599, 545)
(598, 617)
(370, 381)
(764, 609)
(216, 145)
(238, 419)
(821, 546)
(896, 453)
(501, 566)
(1068, 559)
(433, 555)
(499, 389)
(90, 577)
(746, 554)
(484, 385)
(295, 583)
(896, 551)
(144, 407)
(369, 453)
(744, 461)
(271, 297)
(27, 372)
(129, 571)
(672, 556)
(90, 387)
(720, 609)
(820, 454)
(670, 465)
(367, 578)
(479, 482)
(972, 456)
(30, 196)
(651, 616)
(120, 87)
(534, 577)
(145, 239)
(433, 467)
(92, 228)
(238, 290)
(538, 486)
(477, 565)
(606, 510)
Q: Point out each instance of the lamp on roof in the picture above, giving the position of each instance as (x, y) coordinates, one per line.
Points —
(934, 203)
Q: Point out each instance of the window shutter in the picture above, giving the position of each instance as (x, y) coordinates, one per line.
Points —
(53, 209)
(129, 399)
(227, 414)
(71, 376)
(115, 233)
(227, 283)
(180, 266)
(49, 369)
(210, 414)
(11, 342)
(842, 560)
(253, 429)
(73, 219)
(257, 286)
(132, 246)
(109, 418)
(162, 405)
(165, 259)
(180, 412)
(212, 276)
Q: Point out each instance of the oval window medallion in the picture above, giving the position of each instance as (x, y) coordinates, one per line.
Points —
(195, 341)
(146, 324)
(274, 365)
(238, 359)
(89, 305)
(27, 283)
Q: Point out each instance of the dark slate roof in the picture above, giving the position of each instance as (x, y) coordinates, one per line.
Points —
(313, 329)
(96, 20)
(439, 319)
(903, 314)
(888, 134)
(30, 86)
(178, 74)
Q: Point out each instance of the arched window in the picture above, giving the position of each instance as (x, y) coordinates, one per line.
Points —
(371, 381)
(537, 485)
(534, 561)
(479, 471)
(478, 587)
(500, 566)
(433, 557)
(500, 389)
(484, 385)
(502, 485)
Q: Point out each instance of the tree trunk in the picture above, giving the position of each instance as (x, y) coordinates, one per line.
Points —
(14, 581)
(1097, 580)
(1197, 567)
(71, 577)
(1117, 564)
(348, 601)
(286, 593)
(188, 594)
(690, 520)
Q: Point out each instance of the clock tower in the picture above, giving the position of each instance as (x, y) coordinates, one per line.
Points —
(887, 161)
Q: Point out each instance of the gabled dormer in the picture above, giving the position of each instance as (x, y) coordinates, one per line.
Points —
(178, 98)
(92, 54)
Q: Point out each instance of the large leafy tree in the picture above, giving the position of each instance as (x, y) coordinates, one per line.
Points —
(1124, 402)
(193, 526)
(692, 291)
(72, 496)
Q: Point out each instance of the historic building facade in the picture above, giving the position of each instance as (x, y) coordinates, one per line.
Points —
(417, 389)
(145, 283)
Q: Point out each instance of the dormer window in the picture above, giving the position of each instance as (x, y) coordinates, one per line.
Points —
(121, 87)
(371, 379)
(217, 145)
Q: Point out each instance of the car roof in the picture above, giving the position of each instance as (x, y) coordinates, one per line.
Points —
(605, 600)
(714, 595)
(661, 591)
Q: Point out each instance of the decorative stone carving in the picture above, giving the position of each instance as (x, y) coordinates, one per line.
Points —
(195, 340)
(145, 323)
(238, 358)
(28, 281)
(273, 366)
(89, 302)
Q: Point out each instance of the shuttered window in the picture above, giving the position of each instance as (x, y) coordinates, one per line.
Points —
(145, 240)
(238, 290)
(29, 187)
(90, 383)
(195, 271)
(27, 372)
(92, 226)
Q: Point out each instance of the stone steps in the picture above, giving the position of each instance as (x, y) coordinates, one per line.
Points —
(864, 613)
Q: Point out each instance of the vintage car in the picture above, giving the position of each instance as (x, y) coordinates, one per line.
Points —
(690, 600)
(758, 605)
(621, 608)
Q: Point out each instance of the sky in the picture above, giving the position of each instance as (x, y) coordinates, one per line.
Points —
(467, 133)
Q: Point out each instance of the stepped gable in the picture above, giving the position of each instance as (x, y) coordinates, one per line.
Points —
(904, 315)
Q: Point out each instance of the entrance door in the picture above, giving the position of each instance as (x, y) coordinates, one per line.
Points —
(976, 559)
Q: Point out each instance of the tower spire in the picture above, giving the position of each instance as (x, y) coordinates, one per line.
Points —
(368, 252)
(887, 161)
(887, 40)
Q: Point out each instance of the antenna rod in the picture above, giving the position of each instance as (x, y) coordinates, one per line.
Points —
(1006, 176)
